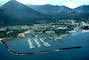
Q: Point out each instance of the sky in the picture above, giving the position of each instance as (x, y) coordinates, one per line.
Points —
(68, 3)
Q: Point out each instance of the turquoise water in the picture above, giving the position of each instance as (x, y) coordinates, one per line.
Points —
(79, 39)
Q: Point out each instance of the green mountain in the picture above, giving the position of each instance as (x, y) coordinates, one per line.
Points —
(14, 12)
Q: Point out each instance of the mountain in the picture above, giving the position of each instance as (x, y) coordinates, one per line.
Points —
(50, 9)
(82, 9)
(15, 12)
(63, 12)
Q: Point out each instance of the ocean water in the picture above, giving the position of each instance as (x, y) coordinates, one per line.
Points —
(75, 39)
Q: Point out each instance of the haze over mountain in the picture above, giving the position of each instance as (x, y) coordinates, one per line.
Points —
(63, 12)
(82, 9)
(49, 9)
(55, 8)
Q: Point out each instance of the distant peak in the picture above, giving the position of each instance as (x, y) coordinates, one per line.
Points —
(48, 4)
(13, 0)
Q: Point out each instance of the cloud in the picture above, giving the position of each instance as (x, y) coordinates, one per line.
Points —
(3, 2)
(69, 3)
(38, 2)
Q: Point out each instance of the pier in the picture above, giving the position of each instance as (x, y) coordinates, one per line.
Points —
(39, 52)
